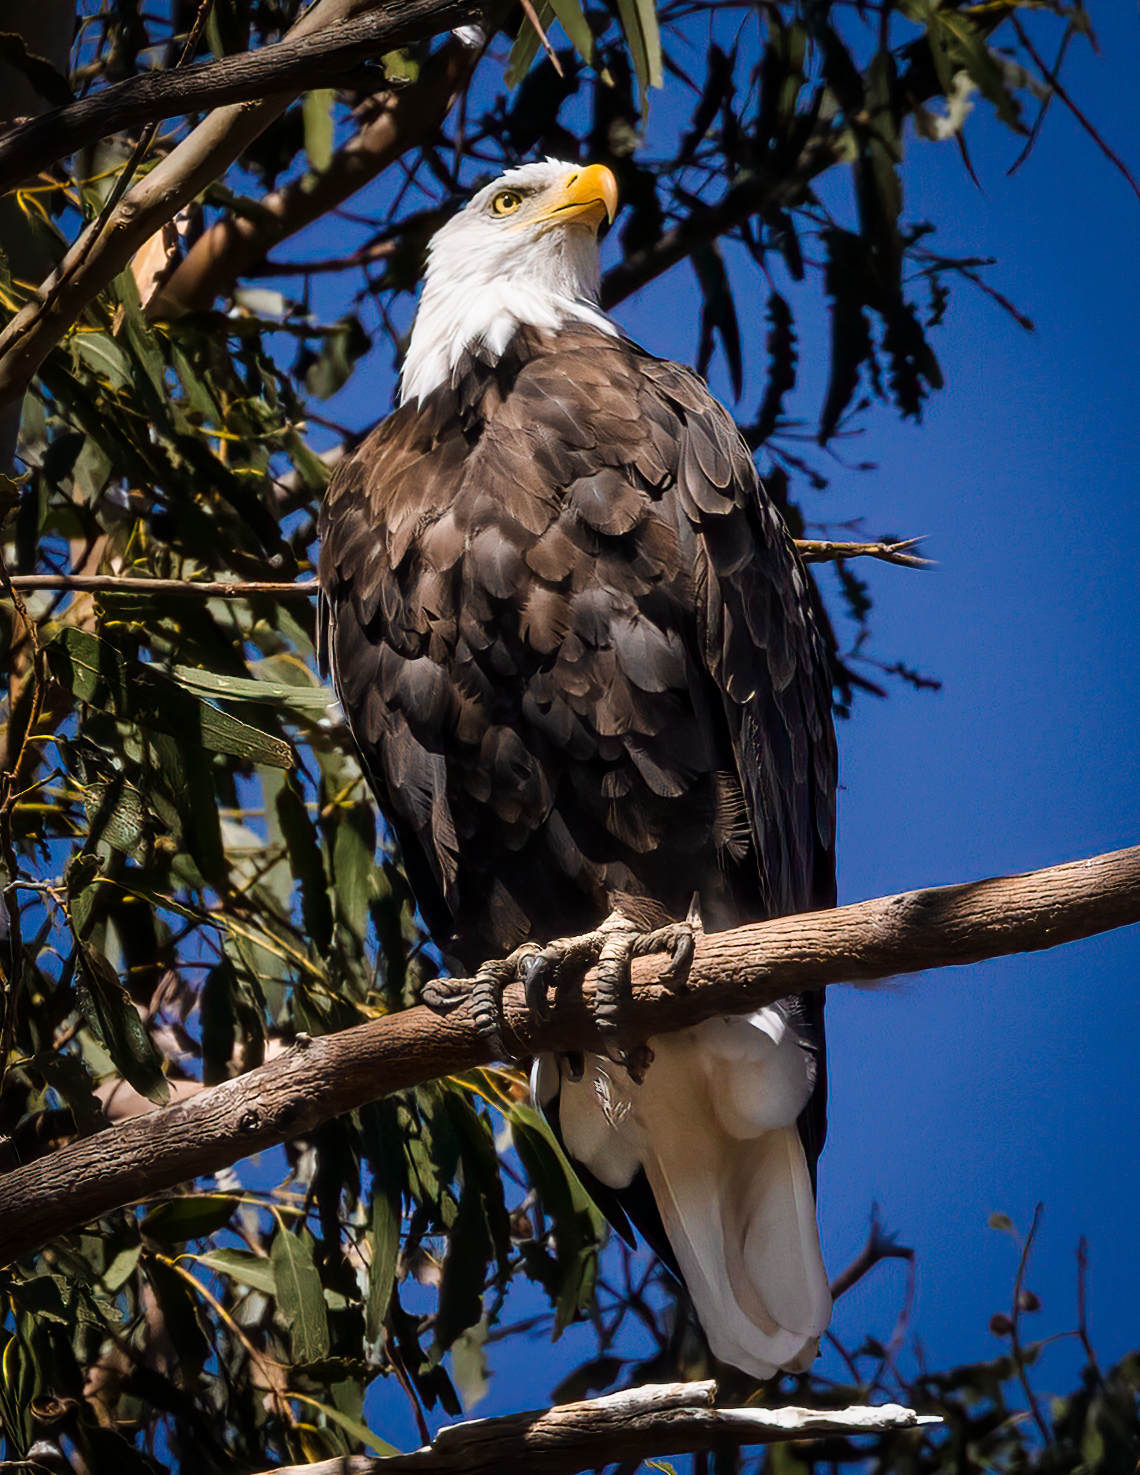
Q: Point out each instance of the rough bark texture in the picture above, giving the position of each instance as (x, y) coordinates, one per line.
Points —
(733, 972)
(661, 1419)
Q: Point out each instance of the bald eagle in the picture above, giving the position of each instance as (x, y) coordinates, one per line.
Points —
(576, 648)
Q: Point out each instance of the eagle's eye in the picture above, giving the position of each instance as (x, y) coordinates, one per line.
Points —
(506, 202)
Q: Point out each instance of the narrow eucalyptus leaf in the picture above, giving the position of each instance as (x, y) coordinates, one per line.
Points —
(96, 673)
(300, 1298)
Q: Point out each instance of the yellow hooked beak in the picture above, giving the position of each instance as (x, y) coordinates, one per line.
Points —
(588, 194)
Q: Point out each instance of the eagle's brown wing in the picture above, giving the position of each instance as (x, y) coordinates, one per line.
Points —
(574, 645)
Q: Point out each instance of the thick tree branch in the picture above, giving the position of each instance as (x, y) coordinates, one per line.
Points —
(733, 972)
(397, 122)
(810, 550)
(293, 65)
(634, 1425)
(103, 250)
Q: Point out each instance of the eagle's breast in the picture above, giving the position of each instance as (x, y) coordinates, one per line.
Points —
(544, 584)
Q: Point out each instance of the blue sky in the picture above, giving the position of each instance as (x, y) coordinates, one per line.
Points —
(963, 1092)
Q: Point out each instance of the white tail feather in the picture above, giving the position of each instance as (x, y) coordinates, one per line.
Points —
(713, 1125)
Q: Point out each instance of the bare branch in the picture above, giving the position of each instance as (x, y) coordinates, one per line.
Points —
(636, 1424)
(880, 1246)
(812, 550)
(293, 65)
(98, 256)
(397, 122)
(733, 972)
(1050, 75)
(189, 588)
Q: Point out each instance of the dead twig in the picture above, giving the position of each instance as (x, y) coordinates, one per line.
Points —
(132, 584)
(813, 550)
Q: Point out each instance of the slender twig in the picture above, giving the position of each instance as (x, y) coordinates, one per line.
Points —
(1057, 86)
(532, 16)
(879, 1246)
(189, 588)
(811, 551)
(1082, 1307)
(1015, 1340)
(377, 251)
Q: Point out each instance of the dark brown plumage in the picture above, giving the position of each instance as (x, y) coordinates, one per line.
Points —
(576, 648)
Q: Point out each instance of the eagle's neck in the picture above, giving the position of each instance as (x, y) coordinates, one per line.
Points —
(461, 316)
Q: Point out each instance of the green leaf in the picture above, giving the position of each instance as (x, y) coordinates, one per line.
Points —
(317, 115)
(184, 776)
(122, 1267)
(300, 1298)
(526, 46)
(252, 1270)
(196, 1216)
(180, 1313)
(464, 1268)
(572, 19)
(353, 867)
(305, 862)
(110, 1014)
(569, 1277)
(42, 1297)
(357, 1429)
(333, 366)
(639, 22)
(98, 674)
(469, 1369)
(1002, 1222)
(117, 813)
(384, 1149)
(309, 698)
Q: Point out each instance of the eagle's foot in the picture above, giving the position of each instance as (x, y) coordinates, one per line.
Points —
(485, 993)
(487, 996)
(611, 948)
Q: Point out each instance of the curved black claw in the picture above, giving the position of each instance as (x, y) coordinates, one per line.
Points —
(679, 940)
(487, 1006)
(574, 1062)
(614, 988)
(537, 972)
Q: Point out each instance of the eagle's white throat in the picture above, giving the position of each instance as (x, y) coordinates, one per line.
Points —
(490, 273)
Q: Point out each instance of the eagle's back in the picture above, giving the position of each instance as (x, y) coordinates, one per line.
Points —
(576, 649)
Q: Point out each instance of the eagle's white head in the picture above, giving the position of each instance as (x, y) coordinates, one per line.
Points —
(523, 251)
